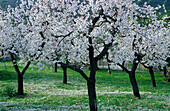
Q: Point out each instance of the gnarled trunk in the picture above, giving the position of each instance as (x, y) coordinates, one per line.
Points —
(92, 95)
(123, 63)
(96, 67)
(109, 70)
(107, 58)
(134, 85)
(19, 74)
(64, 74)
(91, 86)
(20, 84)
(55, 67)
(133, 79)
(165, 71)
(152, 76)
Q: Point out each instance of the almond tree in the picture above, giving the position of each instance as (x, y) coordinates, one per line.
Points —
(80, 32)
(146, 44)
(96, 25)
(158, 52)
(15, 42)
(26, 30)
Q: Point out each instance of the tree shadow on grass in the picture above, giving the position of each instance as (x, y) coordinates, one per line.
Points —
(7, 75)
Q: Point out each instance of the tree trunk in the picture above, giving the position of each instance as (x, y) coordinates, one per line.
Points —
(96, 67)
(64, 74)
(109, 70)
(55, 67)
(165, 71)
(91, 86)
(92, 95)
(19, 74)
(123, 64)
(20, 84)
(134, 85)
(152, 76)
(107, 58)
(133, 79)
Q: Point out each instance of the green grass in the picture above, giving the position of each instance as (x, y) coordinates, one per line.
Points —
(44, 90)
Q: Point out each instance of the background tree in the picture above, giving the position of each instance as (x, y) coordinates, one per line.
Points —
(14, 42)
(147, 45)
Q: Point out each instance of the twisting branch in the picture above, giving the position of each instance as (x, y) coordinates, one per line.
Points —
(124, 68)
(26, 67)
(64, 36)
(29, 20)
(75, 69)
(14, 61)
(57, 36)
(144, 65)
(104, 51)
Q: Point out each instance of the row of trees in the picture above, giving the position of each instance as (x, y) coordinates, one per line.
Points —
(79, 33)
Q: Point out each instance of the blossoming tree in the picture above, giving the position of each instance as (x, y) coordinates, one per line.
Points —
(81, 32)
(14, 42)
(27, 28)
(147, 44)
(94, 28)
(97, 24)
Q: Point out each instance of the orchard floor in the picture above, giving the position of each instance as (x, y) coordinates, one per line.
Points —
(44, 90)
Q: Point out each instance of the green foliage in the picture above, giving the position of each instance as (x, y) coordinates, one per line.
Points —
(155, 3)
(5, 3)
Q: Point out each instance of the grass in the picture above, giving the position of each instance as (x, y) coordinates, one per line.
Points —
(44, 90)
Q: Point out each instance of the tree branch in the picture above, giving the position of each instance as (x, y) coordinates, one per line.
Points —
(135, 64)
(144, 65)
(124, 68)
(14, 61)
(104, 51)
(26, 67)
(75, 69)
(57, 36)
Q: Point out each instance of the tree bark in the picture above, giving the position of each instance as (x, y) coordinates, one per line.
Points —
(152, 76)
(109, 70)
(151, 73)
(19, 74)
(77, 69)
(133, 79)
(108, 61)
(91, 85)
(92, 95)
(91, 80)
(134, 85)
(64, 74)
(123, 63)
(55, 67)
(165, 71)
(96, 67)
(20, 84)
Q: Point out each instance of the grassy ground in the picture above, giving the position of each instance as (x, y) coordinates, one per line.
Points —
(44, 90)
